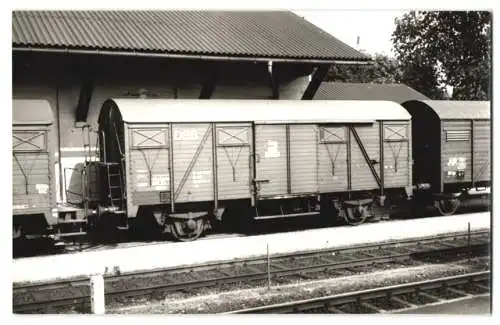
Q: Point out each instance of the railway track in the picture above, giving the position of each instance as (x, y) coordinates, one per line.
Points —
(398, 298)
(75, 294)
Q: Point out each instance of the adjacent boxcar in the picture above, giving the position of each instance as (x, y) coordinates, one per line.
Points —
(451, 143)
(186, 161)
(33, 186)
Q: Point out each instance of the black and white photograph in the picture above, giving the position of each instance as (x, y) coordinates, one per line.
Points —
(263, 161)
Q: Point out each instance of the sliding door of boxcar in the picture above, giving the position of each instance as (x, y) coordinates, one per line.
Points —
(233, 160)
(271, 159)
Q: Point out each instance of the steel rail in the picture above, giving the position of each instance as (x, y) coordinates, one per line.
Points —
(364, 296)
(341, 260)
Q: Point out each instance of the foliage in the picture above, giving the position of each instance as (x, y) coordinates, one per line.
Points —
(383, 70)
(440, 48)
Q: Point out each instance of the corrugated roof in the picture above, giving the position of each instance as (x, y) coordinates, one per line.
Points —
(398, 93)
(458, 109)
(31, 112)
(270, 34)
(259, 111)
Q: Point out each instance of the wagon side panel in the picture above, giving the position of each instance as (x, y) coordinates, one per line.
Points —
(396, 154)
(456, 151)
(271, 159)
(361, 175)
(303, 158)
(332, 158)
(482, 151)
(192, 159)
(234, 148)
(31, 179)
(149, 165)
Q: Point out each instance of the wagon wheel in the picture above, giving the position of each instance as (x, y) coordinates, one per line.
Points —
(187, 230)
(355, 215)
(448, 207)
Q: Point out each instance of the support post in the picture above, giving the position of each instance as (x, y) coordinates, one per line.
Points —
(209, 85)
(97, 294)
(268, 269)
(85, 96)
(468, 235)
(272, 81)
(317, 77)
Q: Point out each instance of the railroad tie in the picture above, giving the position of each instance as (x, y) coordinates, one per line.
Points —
(480, 286)
(372, 307)
(226, 273)
(253, 269)
(279, 267)
(428, 295)
(325, 260)
(403, 302)
(460, 292)
(450, 245)
(332, 309)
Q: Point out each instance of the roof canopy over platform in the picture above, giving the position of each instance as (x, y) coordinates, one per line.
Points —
(398, 93)
(31, 112)
(265, 35)
(258, 111)
(452, 109)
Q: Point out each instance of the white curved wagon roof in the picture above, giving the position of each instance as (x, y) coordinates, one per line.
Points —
(258, 111)
(31, 112)
(459, 109)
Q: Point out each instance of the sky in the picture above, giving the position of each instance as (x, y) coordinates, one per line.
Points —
(374, 27)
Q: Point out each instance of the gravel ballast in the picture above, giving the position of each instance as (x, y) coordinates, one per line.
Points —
(217, 302)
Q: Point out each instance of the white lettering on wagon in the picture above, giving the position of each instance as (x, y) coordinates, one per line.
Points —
(459, 162)
(272, 150)
(201, 177)
(141, 179)
(42, 188)
(20, 206)
(186, 134)
(160, 181)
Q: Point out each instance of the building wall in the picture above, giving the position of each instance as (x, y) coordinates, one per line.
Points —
(58, 79)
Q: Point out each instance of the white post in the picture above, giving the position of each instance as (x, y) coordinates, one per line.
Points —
(97, 294)
(268, 269)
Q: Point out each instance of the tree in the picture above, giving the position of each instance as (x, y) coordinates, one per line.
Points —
(443, 48)
(382, 70)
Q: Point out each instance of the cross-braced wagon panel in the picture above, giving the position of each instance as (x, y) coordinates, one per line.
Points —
(234, 147)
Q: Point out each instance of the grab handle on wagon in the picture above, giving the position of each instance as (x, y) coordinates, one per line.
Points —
(262, 181)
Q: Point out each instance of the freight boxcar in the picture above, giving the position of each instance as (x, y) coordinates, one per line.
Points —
(451, 144)
(33, 186)
(187, 161)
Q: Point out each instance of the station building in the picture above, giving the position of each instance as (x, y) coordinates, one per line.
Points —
(78, 59)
